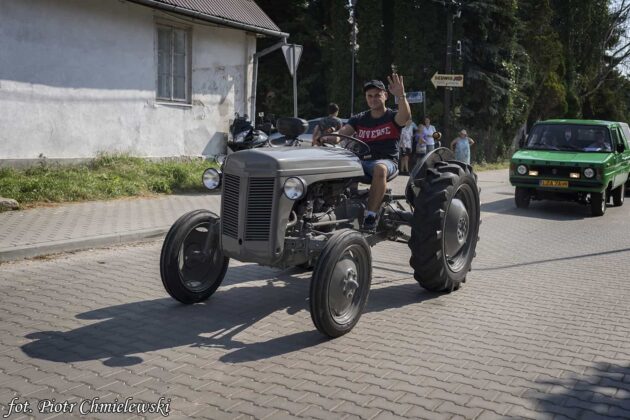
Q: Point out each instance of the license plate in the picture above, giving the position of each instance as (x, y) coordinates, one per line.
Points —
(552, 183)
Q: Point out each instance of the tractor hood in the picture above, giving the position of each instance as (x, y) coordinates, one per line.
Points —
(294, 161)
(553, 157)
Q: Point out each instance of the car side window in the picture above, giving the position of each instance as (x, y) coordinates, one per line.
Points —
(615, 136)
(626, 135)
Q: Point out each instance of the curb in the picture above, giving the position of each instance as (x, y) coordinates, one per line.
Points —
(79, 244)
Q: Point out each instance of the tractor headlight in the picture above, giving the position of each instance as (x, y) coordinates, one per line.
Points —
(589, 172)
(294, 188)
(521, 169)
(211, 178)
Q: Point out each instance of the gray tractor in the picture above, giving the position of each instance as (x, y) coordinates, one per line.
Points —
(287, 206)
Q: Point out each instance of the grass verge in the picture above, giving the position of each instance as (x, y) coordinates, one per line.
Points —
(106, 177)
(113, 176)
(480, 167)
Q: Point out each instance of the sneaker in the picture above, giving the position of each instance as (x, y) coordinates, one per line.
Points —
(369, 224)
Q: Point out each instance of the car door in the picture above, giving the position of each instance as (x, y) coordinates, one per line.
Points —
(617, 159)
(622, 137)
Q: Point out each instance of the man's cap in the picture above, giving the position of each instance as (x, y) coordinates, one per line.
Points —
(463, 132)
(373, 84)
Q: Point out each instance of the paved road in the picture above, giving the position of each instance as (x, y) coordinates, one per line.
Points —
(540, 330)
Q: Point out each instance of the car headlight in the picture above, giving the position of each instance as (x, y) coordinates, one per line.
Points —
(521, 169)
(211, 178)
(294, 188)
(589, 172)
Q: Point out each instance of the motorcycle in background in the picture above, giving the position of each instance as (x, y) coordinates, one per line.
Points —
(243, 135)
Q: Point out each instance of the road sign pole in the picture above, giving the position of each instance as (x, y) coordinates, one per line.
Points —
(353, 39)
(295, 107)
(352, 71)
(424, 106)
(292, 54)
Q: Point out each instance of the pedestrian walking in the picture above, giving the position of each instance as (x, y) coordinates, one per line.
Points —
(461, 146)
(327, 125)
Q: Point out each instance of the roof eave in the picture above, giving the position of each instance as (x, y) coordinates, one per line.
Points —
(214, 19)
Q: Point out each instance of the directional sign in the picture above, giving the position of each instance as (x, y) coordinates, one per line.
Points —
(288, 51)
(415, 97)
(449, 80)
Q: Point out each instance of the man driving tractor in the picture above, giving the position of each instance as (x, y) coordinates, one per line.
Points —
(379, 127)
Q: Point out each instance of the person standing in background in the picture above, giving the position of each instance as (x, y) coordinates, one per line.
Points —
(426, 134)
(461, 147)
(327, 124)
(405, 145)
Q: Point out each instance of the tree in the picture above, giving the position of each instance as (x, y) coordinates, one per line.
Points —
(523, 60)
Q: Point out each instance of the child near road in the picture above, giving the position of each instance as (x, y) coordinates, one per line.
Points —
(461, 147)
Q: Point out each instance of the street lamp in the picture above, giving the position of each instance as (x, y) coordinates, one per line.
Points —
(353, 38)
(453, 11)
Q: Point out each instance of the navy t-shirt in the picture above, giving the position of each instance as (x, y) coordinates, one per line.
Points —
(381, 134)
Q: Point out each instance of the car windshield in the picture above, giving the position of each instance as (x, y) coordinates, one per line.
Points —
(581, 138)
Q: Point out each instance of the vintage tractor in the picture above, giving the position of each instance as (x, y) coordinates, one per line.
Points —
(288, 206)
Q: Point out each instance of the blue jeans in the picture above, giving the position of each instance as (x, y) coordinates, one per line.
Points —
(368, 166)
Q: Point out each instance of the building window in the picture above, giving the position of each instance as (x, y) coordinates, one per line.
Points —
(173, 78)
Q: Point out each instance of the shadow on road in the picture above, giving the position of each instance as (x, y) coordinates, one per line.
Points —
(145, 326)
(573, 257)
(547, 210)
(602, 392)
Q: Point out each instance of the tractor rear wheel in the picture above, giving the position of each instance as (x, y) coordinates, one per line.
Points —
(445, 226)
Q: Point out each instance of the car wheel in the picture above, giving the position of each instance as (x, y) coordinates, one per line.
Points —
(598, 203)
(522, 197)
(618, 195)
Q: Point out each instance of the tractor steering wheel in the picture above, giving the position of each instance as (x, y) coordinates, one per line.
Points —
(350, 143)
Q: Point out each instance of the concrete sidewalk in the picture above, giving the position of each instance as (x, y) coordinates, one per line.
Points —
(72, 227)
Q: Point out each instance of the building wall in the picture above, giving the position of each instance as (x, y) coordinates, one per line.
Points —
(78, 77)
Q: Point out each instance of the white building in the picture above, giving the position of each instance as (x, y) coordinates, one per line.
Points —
(153, 78)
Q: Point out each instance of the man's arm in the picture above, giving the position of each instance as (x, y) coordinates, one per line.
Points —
(346, 130)
(397, 88)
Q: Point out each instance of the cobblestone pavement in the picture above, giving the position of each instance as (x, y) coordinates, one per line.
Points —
(540, 330)
(75, 226)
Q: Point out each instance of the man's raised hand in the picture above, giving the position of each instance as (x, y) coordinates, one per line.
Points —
(396, 85)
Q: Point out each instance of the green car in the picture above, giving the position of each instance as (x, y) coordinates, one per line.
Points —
(587, 161)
